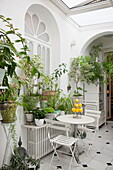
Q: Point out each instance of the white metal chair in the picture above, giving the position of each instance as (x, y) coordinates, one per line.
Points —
(61, 139)
(90, 129)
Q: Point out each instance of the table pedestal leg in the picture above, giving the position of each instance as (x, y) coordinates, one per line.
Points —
(77, 152)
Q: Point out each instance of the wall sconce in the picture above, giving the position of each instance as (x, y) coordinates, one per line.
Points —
(73, 43)
(107, 91)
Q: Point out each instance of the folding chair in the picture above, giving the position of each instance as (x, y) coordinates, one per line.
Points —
(61, 139)
(90, 129)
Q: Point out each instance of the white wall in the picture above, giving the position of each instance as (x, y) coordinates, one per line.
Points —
(73, 41)
(88, 34)
(68, 33)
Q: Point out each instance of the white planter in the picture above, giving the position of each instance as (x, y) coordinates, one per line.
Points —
(39, 122)
(62, 112)
(2, 73)
(50, 116)
(29, 117)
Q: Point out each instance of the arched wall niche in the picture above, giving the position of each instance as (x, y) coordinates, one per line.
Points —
(54, 36)
(106, 38)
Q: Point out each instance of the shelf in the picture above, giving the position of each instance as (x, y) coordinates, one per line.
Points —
(3, 87)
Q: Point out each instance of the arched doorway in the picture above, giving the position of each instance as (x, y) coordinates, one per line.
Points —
(106, 39)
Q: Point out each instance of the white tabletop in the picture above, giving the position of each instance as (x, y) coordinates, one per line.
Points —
(76, 121)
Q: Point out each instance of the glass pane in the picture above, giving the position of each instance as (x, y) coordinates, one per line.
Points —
(47, 62)
(28, 21)
(44, 37)
(42, 28)
(99, 16)
(35, 22)
(30, 48)
(74, 3)
(39, 50)
(43, 55)
(27, 30)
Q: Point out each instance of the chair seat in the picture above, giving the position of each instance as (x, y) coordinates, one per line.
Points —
(86, 129)
(64, 140)
(60, 139)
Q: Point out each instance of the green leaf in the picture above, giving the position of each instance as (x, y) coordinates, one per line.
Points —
(17, 40)
(10, 32)
(8, 19)
(7, 25)
(16, 29)
(22, 53)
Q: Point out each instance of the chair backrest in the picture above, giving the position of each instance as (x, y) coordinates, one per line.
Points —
(95, 114)
(90, 104)
(56, 125)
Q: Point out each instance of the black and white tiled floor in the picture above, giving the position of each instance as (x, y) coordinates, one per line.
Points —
(95, 159)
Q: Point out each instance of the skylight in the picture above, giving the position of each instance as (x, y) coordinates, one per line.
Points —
(94, 17)
(79, 3)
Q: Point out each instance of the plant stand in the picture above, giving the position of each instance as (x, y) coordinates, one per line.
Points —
(8, 148)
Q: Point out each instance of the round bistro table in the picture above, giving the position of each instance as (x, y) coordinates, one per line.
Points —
(81, 120)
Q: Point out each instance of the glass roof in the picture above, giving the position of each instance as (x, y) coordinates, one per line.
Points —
(94, 17)
(79, 3)
(87, 12)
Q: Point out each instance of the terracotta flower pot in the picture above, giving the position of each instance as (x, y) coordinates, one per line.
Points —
(49, 93)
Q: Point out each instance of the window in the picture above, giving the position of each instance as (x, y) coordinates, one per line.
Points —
(38, 38)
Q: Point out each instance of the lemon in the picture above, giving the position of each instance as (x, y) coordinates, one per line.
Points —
(77, 110)
(80, 110)
(73, 109)
(77, 101)
(76, 105)
(79, 105)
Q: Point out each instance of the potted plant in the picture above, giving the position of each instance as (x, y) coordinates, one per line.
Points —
(65, 103)
(86, 69)
(51, 85)
(20, 160)
(75, 76)
(43, 101)
(29, 103)
(91, 68)
(8, 54)
(32, 70)
(39, 115)
(8, 103)
(50, 112)
(53, 100)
